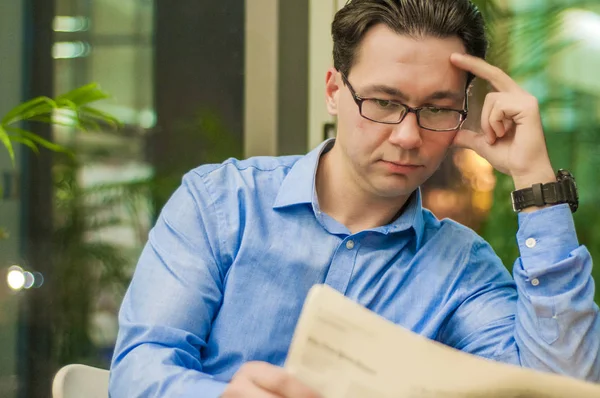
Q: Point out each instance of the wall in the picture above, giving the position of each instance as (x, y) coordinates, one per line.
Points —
(11, 60)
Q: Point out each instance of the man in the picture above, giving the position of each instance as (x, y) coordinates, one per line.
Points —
(219, 288)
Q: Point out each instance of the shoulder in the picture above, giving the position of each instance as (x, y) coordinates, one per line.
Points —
(465, 255)
(235, 177)
(233, 166)
(452, 238)
(446, 228)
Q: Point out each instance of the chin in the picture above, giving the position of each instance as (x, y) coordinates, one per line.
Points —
(395, 190)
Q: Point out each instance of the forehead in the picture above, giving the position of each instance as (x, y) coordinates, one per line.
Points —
(416, 65)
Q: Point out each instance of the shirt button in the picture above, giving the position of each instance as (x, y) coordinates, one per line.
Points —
(350, 245)
(530, 243)
(535, 281)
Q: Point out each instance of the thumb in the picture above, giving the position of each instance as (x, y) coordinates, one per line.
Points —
(468, 139)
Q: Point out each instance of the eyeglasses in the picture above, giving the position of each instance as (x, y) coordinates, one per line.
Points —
(391, 112)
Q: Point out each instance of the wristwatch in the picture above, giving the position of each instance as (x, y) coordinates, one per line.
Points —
(564, 190)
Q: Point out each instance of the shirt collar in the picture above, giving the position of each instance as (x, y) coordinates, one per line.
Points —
(411, 217)
(298, 187)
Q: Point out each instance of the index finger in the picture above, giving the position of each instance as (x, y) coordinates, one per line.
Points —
(480, 68)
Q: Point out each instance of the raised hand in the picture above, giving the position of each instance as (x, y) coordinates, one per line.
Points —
(513, 138)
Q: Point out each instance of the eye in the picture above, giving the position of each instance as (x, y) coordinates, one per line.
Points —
(385, 104)
(436, 111)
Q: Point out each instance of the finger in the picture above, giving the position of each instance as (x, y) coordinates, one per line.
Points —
(480, 68)
(278, 381)
(508, 125)
(470, 140)
(497, 118)
(486, 111)
(245, 388)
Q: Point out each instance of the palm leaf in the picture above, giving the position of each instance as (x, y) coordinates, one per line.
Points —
(84, 95)
(25, 141)
(36, 139)
(65, 103)
(7, 144)
(86, 112)
(36, 106)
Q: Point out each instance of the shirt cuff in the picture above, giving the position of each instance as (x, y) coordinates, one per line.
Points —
(546, 237)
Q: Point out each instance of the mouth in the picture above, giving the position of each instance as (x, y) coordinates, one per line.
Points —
(401, 167)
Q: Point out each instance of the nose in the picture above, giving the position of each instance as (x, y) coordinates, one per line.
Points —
(407, 134)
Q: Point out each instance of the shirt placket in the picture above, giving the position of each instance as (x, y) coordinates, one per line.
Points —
(342, 264)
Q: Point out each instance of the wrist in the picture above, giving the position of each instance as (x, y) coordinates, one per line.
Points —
(542, 176)
(535, 192)
(527, 181)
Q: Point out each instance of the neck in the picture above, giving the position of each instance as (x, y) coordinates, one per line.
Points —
(342, 197)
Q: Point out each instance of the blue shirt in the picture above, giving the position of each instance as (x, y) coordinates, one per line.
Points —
(234, 252)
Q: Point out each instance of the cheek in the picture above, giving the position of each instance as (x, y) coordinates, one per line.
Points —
(436, 145)
(360, 136)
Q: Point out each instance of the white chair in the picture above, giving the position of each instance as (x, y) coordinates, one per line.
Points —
(80, 381)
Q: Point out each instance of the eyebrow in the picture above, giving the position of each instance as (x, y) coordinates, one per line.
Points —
(438, 95)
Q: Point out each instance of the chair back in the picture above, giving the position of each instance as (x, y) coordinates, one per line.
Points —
(80, 381)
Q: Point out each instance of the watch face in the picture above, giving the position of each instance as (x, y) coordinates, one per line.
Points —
(571, 193)
(564, 174)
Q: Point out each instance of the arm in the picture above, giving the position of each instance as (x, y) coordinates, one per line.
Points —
(550, 323)
(167, 311)
(558, 325)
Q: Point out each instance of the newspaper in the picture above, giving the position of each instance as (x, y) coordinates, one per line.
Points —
(343, 350)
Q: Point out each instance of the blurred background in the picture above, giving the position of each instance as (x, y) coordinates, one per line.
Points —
(195, 82)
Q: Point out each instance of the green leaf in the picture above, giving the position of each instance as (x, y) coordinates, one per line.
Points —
(25, 141)
(6, 141)
(38, 140)
(73, 121)
(87, 112)
(65, 103)
(84, 95)
(88, 124)
(36, 106)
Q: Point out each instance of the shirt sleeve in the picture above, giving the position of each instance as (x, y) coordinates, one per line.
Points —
(558, 327)
(168, 309)
(545, 319)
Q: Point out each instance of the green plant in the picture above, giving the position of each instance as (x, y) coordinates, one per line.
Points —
(87, 266)
(525, 44)
(69, 109)
(84, 267)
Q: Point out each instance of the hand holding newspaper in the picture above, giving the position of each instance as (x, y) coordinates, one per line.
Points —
(343, 350)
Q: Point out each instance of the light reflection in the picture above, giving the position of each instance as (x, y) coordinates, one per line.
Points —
(583, 25)
(15, 278)
(478, 174)
(70, 49)
(38, 280)
(70, 24)
(29, 280)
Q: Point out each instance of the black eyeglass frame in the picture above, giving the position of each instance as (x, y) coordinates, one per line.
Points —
(417, 111)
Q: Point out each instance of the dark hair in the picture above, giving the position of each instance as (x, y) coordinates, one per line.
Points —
(416, 18)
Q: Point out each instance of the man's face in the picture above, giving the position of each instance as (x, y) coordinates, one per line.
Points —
(392, 160)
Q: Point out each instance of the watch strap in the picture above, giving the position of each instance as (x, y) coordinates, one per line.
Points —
(544, 194)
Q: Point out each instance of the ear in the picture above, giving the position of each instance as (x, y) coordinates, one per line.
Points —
(332, 90)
